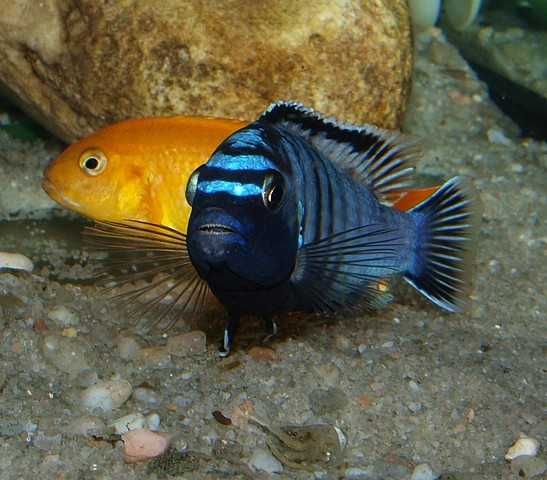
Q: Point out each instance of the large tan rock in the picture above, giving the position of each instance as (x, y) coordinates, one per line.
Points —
(76, 65)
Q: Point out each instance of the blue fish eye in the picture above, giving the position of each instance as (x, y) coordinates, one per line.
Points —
(273, 191)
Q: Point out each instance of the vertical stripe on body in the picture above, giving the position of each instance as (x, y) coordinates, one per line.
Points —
(334, 203)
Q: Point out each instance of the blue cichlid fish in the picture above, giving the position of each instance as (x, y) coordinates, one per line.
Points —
(289, 214)
(294, 213)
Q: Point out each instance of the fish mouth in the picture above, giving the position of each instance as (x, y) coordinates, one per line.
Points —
(49, 187)
(216, 229)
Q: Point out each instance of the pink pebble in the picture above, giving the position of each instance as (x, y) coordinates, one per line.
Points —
(143, 445)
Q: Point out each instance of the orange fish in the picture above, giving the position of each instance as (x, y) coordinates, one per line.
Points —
(136, 169)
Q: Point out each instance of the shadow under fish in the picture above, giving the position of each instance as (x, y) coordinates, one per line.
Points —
(294, 212)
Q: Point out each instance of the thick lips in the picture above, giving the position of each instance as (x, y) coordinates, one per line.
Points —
(216, 229)
(46, 184)
(51, 190)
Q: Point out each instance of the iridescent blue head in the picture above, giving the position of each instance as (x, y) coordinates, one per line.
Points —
(243, 230)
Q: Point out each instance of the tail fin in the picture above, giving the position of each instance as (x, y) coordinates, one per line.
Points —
(445, 223)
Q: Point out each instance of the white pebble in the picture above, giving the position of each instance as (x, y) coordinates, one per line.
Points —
(523, 446)
(498, 137)
(63, 316)
(263, 460)
(106, 396)
(133, 421)
(153, 421)
(15, 261)
(423, 472)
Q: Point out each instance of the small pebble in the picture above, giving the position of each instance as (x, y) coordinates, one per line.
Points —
(63, 316)
(179, 444)
(329, 374)
(365, 401)
(133, 421)
(106, 396)
(153, 421)
(523, 446)
(147, 397)
(342, 343)
(192, 343)
(355, 473)
(529, 467)
(263, 460)
(86, 426)
(423, 472)
(70, 332)
(66, 354)
(182, 402)
(263, 354)
(415, 407)
(414, 387)
(143, 445)
(496, 136)
(128, 348)
(155, 357)
(15, 261)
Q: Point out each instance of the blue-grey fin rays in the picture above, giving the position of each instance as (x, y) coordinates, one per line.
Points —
(383, 160)
(347, 270)
(446, 223)
(156, 255)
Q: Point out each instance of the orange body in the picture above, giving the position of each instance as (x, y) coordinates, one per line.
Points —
(143, 167)
(146, 164)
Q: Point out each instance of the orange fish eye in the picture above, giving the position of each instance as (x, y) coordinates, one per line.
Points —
(93, 162)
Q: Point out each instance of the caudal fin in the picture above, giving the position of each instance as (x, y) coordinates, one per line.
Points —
(445, 223)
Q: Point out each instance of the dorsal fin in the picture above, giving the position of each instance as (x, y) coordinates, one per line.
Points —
(381, 159)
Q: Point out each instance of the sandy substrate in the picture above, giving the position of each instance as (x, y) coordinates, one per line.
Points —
(409, 385)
